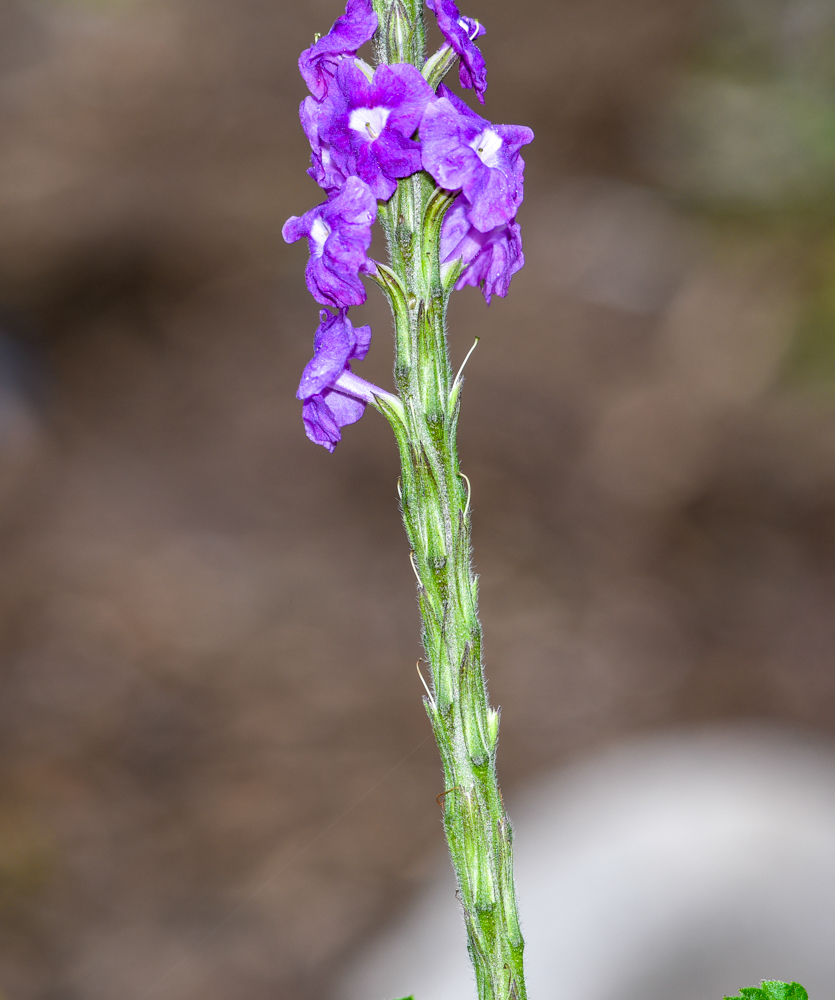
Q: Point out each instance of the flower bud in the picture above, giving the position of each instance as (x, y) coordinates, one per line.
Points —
(400, 34)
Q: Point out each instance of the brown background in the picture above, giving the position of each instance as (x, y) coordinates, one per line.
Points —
(214, 774)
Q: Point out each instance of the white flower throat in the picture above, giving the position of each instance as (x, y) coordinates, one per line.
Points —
(369, 122)
(319, 232)
(487, 146)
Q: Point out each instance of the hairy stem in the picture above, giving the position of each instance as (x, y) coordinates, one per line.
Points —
(435, 506)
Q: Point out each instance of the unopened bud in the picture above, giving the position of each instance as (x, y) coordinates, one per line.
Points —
(399, 33)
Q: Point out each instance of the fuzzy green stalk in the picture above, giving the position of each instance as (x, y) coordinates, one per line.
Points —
(434, 498)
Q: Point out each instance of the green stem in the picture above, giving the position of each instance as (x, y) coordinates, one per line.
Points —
(435, 505)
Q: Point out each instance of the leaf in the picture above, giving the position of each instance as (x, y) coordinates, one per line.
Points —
(771, 989)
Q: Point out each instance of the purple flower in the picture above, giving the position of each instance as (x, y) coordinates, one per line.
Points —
(462, 150)
(461, 33)
(338, 233)
(317, 64)
(489, 260)
(332, 395)
(322, 169)
(369, 124)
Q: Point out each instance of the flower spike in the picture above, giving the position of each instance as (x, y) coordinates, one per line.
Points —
(394, 142)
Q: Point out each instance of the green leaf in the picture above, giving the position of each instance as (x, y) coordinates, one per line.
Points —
(407, 998)
(770, 989)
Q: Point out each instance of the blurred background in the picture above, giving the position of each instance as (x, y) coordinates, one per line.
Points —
(215, 777)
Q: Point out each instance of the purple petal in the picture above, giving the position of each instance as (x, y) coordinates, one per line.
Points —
(461, 32)
(345, 409)
(369, 169)
(402, 89)
(339, 234)
(354, 208)
(503, 257)
(349, 33)
(489, 259)
(331, 350)
(398, 157)
(344, 253)
(446, 154)
(456, 227)
(492, 195)
(514, 137)
(319, 423)
(461, 106)
(294, 228)
(368, 126)
(323, 169)
(336, 343)
(361, 341)
(333, 396)
(333, 287)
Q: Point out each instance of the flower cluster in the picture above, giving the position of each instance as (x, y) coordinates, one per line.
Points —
(368, 128)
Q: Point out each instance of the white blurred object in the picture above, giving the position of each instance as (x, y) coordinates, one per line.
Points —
(677, 867)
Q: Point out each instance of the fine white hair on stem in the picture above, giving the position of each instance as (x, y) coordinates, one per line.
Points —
(469, 488)
(414, 567)
(463, 363)
(425, 685)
